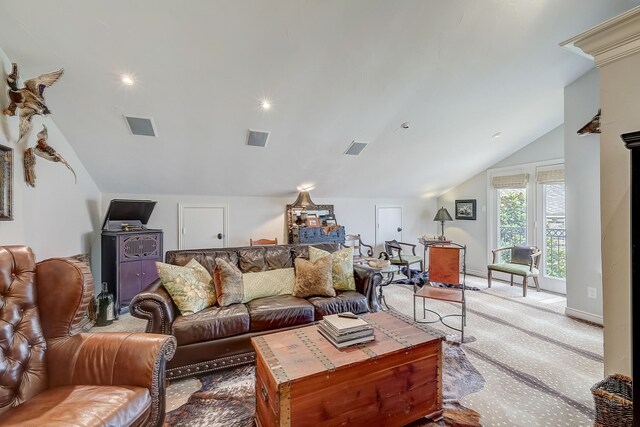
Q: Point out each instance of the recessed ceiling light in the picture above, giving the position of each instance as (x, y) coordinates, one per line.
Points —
(265, 104)
(127, 80)
(496, 135)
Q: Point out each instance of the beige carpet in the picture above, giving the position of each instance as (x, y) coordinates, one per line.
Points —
(538, 363)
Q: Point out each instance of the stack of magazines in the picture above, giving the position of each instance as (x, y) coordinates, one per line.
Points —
(345, 329)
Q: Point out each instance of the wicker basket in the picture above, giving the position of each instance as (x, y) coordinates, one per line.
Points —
(614, 407)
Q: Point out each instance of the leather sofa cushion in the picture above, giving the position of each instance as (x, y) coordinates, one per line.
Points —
(262, 258)
(206, 259)
(279, 312)
(211, 323)
(82, 405)
(351, 301)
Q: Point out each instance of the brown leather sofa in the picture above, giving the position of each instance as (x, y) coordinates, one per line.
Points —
(54, 375)
(219, 337)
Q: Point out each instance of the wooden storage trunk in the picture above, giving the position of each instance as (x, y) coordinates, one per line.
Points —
(303, 380)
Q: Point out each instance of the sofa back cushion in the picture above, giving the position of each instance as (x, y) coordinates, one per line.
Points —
(248, 258)
(22, 343)
(254, 259)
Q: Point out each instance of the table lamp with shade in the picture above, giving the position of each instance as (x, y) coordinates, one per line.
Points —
(442, 215)
(302, 204)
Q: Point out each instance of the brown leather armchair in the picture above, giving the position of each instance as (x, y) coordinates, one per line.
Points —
(52, 374)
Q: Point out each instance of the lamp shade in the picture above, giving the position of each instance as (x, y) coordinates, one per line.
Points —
(304, 202)
(443, 215)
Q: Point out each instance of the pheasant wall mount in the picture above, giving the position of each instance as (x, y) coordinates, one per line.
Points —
(29, 100)
(592, 127)
(44, 150)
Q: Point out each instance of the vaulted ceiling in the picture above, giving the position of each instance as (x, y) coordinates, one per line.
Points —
(334, 71)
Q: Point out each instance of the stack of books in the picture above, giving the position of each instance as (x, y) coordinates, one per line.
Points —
(345, 329)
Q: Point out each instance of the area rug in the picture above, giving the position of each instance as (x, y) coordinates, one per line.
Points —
(227, 398)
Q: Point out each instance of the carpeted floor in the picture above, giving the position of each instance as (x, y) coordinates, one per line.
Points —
(538, 364)
(227, 398)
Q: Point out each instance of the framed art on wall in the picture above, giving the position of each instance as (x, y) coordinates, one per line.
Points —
(313, 221)
(466, 209)
(6, 183)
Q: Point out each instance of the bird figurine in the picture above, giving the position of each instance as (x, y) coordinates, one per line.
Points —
(29, 163)
(44, 150)
(30, 98)
(592, 127)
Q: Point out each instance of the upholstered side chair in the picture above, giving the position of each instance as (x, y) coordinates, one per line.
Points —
(524, 262)
(399, 256)
(55, 375)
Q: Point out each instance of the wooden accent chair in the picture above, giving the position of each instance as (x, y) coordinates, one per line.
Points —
(263, 242)
(52, 372)
(354, 241)
(444, 267)
(395, 251)
(524, 263)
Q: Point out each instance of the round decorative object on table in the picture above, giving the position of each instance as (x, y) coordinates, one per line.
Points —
(379, 263)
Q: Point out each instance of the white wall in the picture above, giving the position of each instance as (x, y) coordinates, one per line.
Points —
(474, 233)
(468, 232)
(582, 180)
(57, 217)
(620, 100)
(264, 217)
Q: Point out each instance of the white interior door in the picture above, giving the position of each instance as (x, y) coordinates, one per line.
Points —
(202, 226)
(388, 224)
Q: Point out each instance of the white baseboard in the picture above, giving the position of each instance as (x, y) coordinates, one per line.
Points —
(479, 273)
(579, 314)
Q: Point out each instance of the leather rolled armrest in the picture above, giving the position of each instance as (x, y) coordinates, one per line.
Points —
(108, 358)
(155, 305)
(367, 279)
(114, 359)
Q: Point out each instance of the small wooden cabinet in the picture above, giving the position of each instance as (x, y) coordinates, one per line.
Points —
(129, 262)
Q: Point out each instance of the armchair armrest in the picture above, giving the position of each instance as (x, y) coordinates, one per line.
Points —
(495, 252)
(155, 305)
(369, 251)
(413, 247)
(117, 359)
(367, 279)
(535, 259)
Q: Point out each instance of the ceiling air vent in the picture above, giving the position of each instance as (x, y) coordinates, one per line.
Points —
(257, 138)
(141, 126)
(356, 148)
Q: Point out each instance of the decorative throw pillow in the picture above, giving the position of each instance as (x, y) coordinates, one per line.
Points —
(228, 281)
(268, 283)
(342, 268)
(313, 278)
(190, 287)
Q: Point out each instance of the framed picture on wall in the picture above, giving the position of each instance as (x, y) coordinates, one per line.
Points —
(466, 209)
(313, 221)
